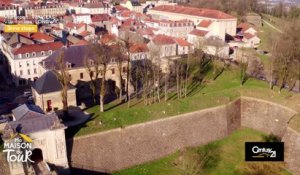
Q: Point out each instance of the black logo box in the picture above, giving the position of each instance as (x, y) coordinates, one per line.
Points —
(261, 151)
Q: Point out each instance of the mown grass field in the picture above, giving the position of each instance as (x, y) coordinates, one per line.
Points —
(212, 93)
(224, 157)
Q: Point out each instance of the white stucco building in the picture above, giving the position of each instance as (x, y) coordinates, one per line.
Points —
(8, 12)
(222, 23)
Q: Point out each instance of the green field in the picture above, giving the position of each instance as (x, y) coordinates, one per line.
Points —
(213, 93)
(223, 157)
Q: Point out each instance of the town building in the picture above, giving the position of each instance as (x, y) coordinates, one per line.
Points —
(224, 23)
(48, 144)
(23, 56)
(165, 45)
(8, 11)
(90, 8)
(179, 28)
(46, 92)
(75, 58)
(48, 10)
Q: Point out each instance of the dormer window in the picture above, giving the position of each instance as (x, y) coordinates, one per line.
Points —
(68, 65)
(27, 55)
(33, 54)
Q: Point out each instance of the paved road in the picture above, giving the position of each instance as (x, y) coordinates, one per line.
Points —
(272, 26)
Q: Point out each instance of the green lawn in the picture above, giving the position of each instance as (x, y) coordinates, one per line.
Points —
(225, 89)
(224, 157)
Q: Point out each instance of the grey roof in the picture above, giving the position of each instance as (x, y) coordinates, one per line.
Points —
(35, 124)
(48, 83)
(74, 55)
(26, 111)
(30, 119)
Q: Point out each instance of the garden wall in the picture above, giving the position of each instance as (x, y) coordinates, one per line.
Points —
(117, 149)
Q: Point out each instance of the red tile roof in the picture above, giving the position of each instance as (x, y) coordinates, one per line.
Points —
(201, 12)
(85, 33)
(163, 40)
(107, 38)
(245, 26)
(121, 8)
(100, 17)
(41, 36)
(205, 23)
(182, 42)
(136, 48)
(248, 35)
(38, 48)
(198, 32)
(82, 42)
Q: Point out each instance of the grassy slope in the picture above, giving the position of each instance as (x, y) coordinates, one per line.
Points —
(226, 157)
(221, 91)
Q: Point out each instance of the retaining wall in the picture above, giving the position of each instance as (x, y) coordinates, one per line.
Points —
(117, 149)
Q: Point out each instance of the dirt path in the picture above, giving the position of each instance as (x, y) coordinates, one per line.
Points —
(272, 26)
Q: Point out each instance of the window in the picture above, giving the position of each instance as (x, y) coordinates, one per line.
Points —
(81, 75)
(21, 72)
(27, 55)
(50, 52)
(113, 70)
(92, 74)
(33, 54)
(33, 62)
(34, 71)
(27, 63)
(20, 65)
(43, 53)
(124, 70)
(28, 71)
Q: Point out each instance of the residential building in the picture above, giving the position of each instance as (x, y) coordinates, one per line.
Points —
(75, 59)
(46, 92)
(48, 10)
(23, 59)
(179, 28)
(196, 37)
(165, 45)
(217, 47)
(139, 52)
(90, 8)
(82, 18)
(8, 11)
(132, 5)
(183, 46)
(224, 23)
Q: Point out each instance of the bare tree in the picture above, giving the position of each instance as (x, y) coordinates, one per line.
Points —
(102, 57)
(64, 79)
(93, 66)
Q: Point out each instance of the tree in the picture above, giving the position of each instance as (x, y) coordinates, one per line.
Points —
(64, 79)
(102, 58)
(119, 57)
(286, 57)
(93, 68)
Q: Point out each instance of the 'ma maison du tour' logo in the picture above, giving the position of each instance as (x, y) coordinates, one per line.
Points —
(18, 148)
